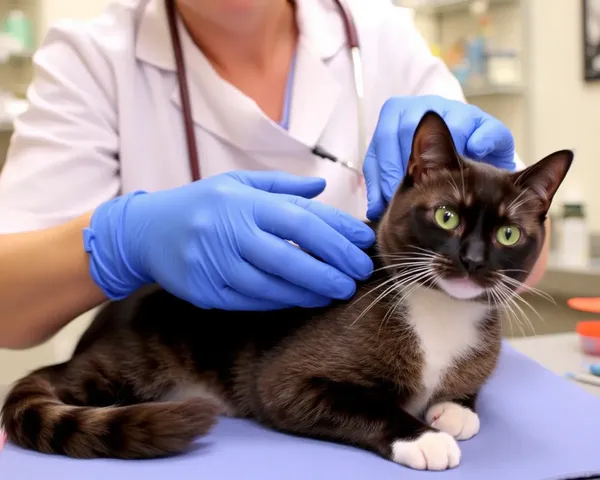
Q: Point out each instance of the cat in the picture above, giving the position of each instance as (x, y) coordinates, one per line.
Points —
(395, 370)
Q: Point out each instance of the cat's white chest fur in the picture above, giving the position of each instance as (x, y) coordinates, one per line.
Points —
(446, 329)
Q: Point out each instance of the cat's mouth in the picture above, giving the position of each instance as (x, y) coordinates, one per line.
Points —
(461, 288)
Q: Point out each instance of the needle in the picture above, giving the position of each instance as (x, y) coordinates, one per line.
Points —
(321, 152)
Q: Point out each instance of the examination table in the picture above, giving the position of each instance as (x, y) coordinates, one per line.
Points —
(534, 426)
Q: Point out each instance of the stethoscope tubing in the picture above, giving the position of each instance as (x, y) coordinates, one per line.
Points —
(353, 44)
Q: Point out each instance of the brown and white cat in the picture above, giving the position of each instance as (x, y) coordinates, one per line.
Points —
(395, 370)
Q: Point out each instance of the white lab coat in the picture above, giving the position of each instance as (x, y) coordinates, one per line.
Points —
(105, 114)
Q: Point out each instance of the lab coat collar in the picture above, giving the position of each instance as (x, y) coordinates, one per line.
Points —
(238, 120)
(319, 23)
(153, 44)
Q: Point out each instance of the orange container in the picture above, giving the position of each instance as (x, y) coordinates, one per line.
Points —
(589, 336)
(585, 304)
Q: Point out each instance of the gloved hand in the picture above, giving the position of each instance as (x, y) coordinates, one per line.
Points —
(221, 243)
(477, 135)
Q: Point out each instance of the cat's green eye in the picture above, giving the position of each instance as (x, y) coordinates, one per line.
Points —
(508, 235)
(446, 218)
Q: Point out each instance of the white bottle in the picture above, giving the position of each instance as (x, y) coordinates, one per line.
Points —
(575, 233)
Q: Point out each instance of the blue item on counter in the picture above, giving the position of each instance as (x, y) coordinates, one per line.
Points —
(476, 48)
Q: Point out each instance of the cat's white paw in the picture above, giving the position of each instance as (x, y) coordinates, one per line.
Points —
(431, 451)
(452, 418)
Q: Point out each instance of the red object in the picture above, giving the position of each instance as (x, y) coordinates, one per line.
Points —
(2, 439)
(585, 304)
(589, 328)
(589, 336)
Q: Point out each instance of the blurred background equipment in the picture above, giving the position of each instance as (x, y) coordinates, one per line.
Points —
(591, 39)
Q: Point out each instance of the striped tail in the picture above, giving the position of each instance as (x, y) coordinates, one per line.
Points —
(35, 417)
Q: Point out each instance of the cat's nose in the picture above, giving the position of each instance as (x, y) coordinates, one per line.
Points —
(472, 264)
(473, 257)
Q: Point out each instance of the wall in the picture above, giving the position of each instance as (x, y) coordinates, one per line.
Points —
(565, 109)
(53, 10)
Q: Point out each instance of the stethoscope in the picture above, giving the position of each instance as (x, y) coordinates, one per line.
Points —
(353, 45)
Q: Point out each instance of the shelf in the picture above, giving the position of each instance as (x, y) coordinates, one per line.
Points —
(493, 90)
(449, 6)
(569, 281)
(6, 126)
(26, 55)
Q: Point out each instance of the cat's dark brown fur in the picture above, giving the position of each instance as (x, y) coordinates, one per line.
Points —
(153, 372)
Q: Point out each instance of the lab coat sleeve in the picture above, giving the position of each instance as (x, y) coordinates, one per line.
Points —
(62, 159)
(425, 73)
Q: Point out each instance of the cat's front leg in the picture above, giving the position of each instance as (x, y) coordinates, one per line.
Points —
(366, 416)
(430, 450)
(457, 418)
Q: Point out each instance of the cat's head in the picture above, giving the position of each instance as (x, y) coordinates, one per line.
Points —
(465, 227)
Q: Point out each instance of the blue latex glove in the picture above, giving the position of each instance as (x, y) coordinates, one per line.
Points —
(477, 135)
(219, 243)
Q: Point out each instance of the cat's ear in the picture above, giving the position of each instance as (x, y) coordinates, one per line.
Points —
(432, 148)
(543, 178)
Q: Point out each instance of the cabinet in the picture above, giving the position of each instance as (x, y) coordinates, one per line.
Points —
(448, 23)
(15, 60)
(15, 67)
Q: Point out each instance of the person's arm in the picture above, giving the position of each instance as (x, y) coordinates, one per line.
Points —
(61, 163)
(44, 283)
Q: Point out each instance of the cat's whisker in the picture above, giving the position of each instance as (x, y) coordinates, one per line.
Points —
(396, 302)
(405, 255)
(414, 257)
(526, 320)
(423, 253)
(408, 251)
(529, 289)
(416, 247)
(513, 297)
(508, 308)
(415, 285)
(391, 289)
(417, 276)
(529, 212)
(462, 177)
(387, 291)
(404, 265)
(516, 206)
(532, 291)
(411, 258)
(516, 199)
(401, 295)
(380, 285)
(510, 315)
(524, 316)
(504, 294)
(516, 296)
(511, 205)
(454, 185)
(493, 301)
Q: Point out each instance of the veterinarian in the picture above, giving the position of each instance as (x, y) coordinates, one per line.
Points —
(97, 197)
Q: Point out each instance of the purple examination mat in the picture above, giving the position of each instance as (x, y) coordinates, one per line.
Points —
(534, 426)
